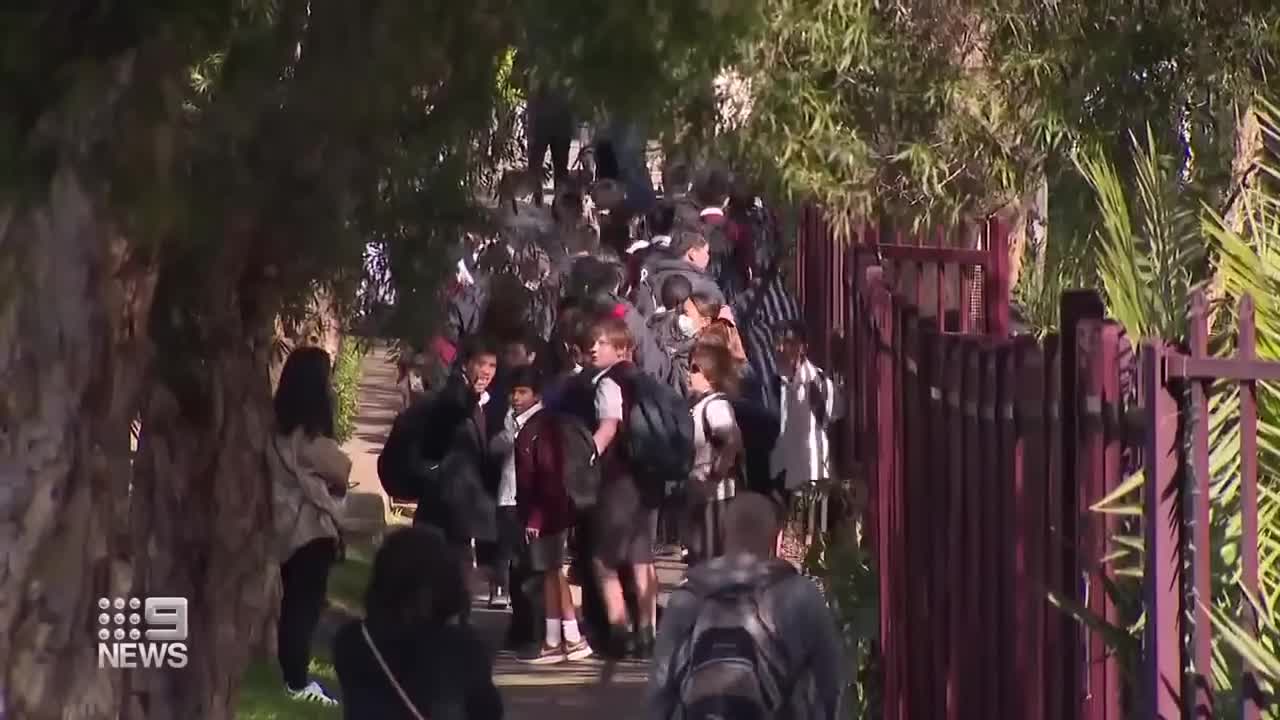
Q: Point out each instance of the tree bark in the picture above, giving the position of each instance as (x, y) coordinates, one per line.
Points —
(201, 514)
(72, 364)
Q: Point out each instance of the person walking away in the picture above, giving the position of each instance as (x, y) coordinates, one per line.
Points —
(410, 659)
(454, 498)
(717, 449)
(745, 635)
(308, 472)
(810, 403)
(546, 513)
(624, 522)
(690, 254)
(661, 220)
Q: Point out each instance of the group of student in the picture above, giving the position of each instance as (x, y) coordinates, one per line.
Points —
(538, 457)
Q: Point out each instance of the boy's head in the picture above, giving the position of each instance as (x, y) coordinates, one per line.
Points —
(693, 246)
(790, 345)
(480, 364)
(611, 342)
(526, 388)
(753, 525)
(521, 351)
(675, 290)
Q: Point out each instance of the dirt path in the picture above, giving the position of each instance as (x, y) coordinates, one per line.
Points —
(576, 691)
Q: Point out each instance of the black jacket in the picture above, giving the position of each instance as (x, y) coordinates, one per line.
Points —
(445, 670)
(455, 498)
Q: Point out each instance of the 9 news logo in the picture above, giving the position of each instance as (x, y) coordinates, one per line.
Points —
(124, 643)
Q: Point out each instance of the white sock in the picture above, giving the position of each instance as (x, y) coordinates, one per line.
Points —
(553, 632)
(571, 634)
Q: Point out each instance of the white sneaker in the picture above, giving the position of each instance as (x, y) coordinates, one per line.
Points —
(312, 693)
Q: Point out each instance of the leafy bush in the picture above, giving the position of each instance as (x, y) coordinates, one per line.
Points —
(848, 579)
(346, 388)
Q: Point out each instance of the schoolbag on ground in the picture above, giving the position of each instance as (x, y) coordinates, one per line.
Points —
(658, 430)
(402, 465)
(732, 664)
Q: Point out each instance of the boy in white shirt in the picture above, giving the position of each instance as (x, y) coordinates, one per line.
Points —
(810, 403)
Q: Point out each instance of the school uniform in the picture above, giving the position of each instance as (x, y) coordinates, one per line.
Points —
(625, 521)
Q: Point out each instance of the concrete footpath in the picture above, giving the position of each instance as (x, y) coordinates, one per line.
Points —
(573, 691)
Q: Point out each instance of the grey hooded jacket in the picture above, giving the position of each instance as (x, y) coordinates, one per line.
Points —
(793, 607)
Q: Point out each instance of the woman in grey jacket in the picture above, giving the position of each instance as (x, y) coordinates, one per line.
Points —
(309, 475)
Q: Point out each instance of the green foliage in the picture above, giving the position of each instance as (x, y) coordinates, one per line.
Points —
(1152, 250)
(1155, 231)
(852, 590)
(346, 388)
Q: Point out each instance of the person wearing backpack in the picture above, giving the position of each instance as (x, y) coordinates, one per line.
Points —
(545, 456)
(454, 445)
(689, 256)
(635, 415)
(810, 404)
(745, 636)
(717, 450)
(674, 331)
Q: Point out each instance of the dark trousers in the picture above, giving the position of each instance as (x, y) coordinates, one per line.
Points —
(528, 608)
(500, 554)
(558, 142)
(305, 577)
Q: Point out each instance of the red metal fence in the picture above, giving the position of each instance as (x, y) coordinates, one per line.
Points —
(983, 454)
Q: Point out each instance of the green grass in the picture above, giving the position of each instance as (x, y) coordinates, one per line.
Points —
(262, 689)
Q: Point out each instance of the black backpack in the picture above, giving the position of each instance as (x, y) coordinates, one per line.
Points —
(578, 460)
(658, 431)
(731, 664)
(403, 466)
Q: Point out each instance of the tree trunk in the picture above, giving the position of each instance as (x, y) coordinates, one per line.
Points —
(72, 363)
(202, 502)
(201, 515)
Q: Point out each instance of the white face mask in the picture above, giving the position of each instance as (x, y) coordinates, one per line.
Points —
(685, 323)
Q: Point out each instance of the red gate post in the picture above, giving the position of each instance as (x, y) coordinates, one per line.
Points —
(1162, 667)
(957, 577)
(1201, 562)
(915, 514)
(1031, 465)
(1098, 471)
(1246, 350)
(1008, 540)
(936, 487)
(974, 470)
(990, 527)
(885, 462)
(1055, 640)
(1074, 307)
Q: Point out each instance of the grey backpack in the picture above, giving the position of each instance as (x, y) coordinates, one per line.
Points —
(732, 664)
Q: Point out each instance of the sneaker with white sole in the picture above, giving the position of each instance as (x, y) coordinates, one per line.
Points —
(312, 693)
(577, 651)
(544, 655)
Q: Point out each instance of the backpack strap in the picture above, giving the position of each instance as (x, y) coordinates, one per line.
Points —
(818, 397)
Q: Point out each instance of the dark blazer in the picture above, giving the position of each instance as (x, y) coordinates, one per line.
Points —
(541, 499)
(455, 498)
